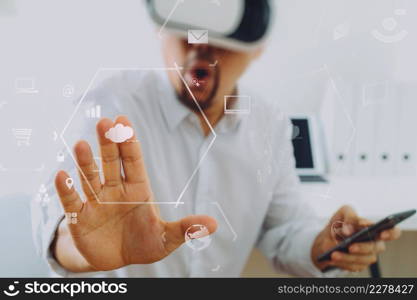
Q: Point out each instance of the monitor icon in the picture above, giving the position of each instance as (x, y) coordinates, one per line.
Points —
(237, 104)
(25, 86)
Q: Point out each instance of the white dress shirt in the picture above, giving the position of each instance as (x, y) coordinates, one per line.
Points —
(246, 180)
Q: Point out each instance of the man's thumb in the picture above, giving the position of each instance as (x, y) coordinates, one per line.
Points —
(195, 226)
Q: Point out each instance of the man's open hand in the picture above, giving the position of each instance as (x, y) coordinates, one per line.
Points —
(130, 229)
(360, 255)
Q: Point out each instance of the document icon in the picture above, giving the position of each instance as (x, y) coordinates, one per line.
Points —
(197, 36)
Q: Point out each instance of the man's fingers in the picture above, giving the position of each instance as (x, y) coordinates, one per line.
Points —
(364, 222)
(69, 197)
(89, 175)
(109, 154)
(348, 216)
(367, 247)
(351, 218)
(349, 266)
(175, 231)
(390, 234)
(353, 263)
(131, 154)
(354, 259)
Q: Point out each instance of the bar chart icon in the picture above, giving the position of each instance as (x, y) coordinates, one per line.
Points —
(94, 112)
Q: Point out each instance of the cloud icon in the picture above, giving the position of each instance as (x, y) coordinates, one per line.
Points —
(119, 133)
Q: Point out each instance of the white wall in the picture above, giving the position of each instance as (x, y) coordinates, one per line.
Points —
(61, 41)
(303, 42)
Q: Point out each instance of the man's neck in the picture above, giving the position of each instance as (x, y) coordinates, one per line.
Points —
(213, 115)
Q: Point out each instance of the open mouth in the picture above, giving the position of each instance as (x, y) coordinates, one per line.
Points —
(202, 79)
(199, 75)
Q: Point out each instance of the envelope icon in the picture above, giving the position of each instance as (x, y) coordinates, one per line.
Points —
(197, 36)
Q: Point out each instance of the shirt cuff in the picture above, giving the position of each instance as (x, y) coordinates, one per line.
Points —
(56, 269)
(310, 267)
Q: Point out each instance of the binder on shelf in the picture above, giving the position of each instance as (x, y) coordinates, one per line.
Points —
(406, 160)
(364, 152)
(343, 131)
(385, 134)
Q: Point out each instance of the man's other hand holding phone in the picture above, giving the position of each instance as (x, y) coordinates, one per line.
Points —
(360, 255)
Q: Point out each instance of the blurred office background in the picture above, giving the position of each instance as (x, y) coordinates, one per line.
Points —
(350, 62)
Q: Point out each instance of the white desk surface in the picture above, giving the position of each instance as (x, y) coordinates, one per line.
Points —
(372, 198)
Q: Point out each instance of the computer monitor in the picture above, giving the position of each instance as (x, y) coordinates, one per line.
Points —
(308, 150)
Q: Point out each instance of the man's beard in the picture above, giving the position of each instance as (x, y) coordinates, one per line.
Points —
(199, 62)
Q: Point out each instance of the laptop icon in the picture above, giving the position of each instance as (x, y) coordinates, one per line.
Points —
(237, 104)
(25, 86)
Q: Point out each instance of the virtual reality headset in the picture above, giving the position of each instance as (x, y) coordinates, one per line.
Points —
(239, 25)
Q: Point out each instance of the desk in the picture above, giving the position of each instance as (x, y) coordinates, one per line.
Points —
(372, 198)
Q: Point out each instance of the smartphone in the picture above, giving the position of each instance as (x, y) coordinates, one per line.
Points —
(368, 234)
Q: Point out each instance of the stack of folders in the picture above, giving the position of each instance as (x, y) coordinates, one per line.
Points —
(374, 130)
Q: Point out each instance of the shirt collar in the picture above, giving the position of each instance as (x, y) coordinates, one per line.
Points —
(232, 119)
(173, 110)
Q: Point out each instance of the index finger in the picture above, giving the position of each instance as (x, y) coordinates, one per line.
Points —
(390, 234)
(69, 197)
(109, 153)
(131, 155)
(364, 222)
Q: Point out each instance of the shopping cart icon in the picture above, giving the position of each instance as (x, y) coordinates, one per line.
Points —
(22, 136)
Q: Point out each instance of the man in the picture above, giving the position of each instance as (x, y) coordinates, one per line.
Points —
(232, 174)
